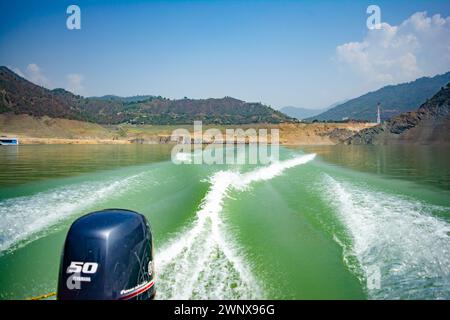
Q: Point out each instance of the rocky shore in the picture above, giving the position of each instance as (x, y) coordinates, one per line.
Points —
(430, 124)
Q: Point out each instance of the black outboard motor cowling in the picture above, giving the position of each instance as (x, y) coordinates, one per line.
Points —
(108, 255)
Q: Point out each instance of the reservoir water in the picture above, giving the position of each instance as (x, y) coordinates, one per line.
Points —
(325, 222)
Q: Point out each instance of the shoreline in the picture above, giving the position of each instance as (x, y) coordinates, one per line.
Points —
(43, 141)
(44, 130)
(77, 141)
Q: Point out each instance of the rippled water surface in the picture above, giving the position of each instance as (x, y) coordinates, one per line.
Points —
(323, 222)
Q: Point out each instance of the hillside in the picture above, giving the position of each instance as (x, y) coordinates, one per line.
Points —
(25, 126)
(430, 124)
(219, 111)
(394, 100)
(20, 96)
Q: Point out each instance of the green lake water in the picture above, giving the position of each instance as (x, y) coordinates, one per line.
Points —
(348, 223)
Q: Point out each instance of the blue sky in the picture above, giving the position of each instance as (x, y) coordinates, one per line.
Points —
(301, 53)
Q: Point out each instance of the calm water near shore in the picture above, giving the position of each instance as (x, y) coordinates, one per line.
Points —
(305, 228)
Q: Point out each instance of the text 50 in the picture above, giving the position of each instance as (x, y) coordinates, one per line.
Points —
(82, 267)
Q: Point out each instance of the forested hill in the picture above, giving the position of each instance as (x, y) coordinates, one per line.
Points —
(394, 99)
(20, 96)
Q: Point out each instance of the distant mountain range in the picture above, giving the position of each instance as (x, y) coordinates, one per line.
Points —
(301, 113)
(430, 124)
(394, 99)
(20, 96)
(304, 113)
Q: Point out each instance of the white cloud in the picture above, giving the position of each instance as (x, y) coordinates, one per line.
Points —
(17, 71)
(34, 74)
(419, 46)
(75, 84)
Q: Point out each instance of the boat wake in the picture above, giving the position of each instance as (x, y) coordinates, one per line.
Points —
(203, 262)
(401, 249)
(24, 218)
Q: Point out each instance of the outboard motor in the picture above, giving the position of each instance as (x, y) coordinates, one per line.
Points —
(108, 255)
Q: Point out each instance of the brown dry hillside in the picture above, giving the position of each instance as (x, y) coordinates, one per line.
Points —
(319, 133)
(45, 127)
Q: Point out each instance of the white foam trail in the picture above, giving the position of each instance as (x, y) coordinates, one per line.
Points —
(24, 217)
(184, 157)
(396, 238)
(203, 262)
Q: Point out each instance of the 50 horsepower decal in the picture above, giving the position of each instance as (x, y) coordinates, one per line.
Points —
(77, 268)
